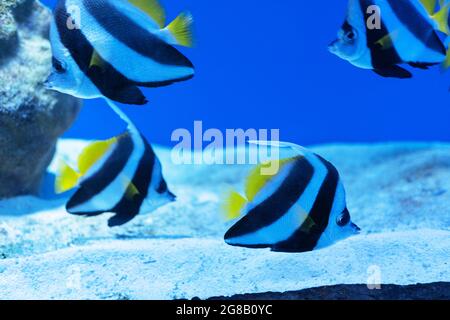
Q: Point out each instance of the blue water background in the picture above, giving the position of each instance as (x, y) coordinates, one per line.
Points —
(265, 64)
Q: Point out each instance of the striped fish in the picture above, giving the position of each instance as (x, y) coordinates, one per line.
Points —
(110, 48)
(298, 209)
(121, 175)
(410, 32)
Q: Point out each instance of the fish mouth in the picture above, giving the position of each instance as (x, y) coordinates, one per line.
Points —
(172, 197)
(332, 47)
(355, 228)
(48, 84)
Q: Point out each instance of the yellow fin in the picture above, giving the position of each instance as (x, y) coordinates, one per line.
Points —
(93, 153)
(96, 60)
(430, 6)
(233, 205)
(153, 8)
(256, 180)
(441, 18)
(131, 191)
(182, 29)
(308, 222)
(388, 40)
(66, 179)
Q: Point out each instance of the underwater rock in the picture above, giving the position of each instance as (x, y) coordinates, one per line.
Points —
(31, 117)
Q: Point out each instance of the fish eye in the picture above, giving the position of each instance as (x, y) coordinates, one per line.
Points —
(343, 219)
(350, 36)
(59, 66)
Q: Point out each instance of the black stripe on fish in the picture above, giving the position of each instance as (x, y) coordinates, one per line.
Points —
(128, 208)
(131, 34)
(100, 180)
(110, 82)
(422, 29)
(381, 57)
(277, 204)
(308, 235)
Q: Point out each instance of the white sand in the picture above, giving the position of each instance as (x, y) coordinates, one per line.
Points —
(399, 194)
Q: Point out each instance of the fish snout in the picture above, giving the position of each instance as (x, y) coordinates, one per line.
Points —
(332, 46)
(48, 83)
(172, 197)
(355, 228)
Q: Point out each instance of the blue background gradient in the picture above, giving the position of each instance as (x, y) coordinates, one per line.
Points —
(265, 64)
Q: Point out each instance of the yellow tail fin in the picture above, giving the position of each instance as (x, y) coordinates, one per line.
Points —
(233, 205)
(66, 179)
(153, 8)
(441, 18)
(182, 29)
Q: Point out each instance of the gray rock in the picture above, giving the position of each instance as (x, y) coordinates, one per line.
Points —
(31, 117)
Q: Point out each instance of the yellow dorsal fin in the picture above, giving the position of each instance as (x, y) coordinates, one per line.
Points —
(93, 153)
(66, 178)
(153, 8)
(233, 205)
(430, 6)
(441, 18)
(96, 60)
(256, 180)
(181, 29)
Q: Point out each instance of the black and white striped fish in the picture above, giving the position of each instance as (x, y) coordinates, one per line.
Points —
(300, 208)
(121, 175)
(109, 48)
(382, 34)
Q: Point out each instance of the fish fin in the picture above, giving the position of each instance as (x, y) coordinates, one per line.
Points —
(446, 64)
(181, 29)
(96, 60)
(233, 205)
(388, 40)
(308, 222)
(429, 5)
(281, 144)
(422, 65)
(66, 179)
(120, 219)
(131, 190)
(153, 8)
(93, 153)
(441, 18)
(256, 180)
(394, 72)
(128, 95)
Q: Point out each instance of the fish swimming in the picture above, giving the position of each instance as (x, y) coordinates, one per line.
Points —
(301, 208)
(121, 175)
(110, 48)
(409, 32)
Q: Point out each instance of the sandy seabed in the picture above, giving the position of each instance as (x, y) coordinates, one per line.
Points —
(399, 194)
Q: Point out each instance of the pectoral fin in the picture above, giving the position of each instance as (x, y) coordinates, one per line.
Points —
(394, 72)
